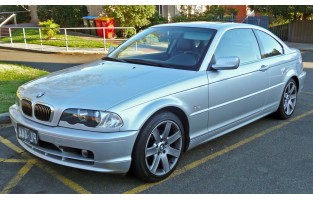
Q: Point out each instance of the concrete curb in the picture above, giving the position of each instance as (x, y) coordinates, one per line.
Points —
(5, 118)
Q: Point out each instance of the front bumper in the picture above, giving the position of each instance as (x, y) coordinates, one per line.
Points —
(111, 151)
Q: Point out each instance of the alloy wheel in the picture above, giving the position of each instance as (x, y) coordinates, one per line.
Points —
(163, 148)
(290, 98)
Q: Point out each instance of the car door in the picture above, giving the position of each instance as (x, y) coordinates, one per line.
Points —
(238, 95)
(278, 64)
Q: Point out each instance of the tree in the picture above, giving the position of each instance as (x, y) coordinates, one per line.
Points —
(130, 16)
(215, 10)
(289, 13)
(20, 17)
(66, 16)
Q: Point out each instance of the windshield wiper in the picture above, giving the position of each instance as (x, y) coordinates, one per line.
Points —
(113, 59)
(144, 62)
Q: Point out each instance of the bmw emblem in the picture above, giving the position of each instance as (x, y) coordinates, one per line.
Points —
(40, 94)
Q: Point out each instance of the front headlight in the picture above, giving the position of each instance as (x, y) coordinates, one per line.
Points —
(91, 118)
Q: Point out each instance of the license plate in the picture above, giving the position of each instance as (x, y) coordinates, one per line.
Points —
(27, 135)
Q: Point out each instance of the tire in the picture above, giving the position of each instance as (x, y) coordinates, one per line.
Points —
(158, 147)
(288, 100)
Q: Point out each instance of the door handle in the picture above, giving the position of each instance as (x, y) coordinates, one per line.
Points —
(263, 68)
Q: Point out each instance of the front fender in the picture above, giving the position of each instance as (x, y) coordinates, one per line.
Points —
(134, 118)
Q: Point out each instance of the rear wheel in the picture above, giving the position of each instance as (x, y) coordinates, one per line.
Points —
(288, 100)
(158, 147)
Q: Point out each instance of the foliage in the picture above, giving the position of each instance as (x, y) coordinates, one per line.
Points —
(194, 17)
(287, 12)
(59, 41)
(231, 11)
(157, 19)
(181, 18)
(215, 10)
(20, 17)
(130, 16)
(189, 10)
(11, 77)
(212, 13)
(51, 28)
(65, 15)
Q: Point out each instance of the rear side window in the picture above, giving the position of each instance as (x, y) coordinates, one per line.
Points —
(238, 42)
(269, 46)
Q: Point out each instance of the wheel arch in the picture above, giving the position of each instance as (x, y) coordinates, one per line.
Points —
(150, 112)
(295, 78)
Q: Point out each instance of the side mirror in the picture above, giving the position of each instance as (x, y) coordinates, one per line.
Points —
(226, 63)
(111, 48)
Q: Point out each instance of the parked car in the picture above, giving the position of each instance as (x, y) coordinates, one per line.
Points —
(166, 90)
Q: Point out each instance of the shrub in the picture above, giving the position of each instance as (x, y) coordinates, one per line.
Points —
(217, 11)
(232, 11)
(20, 17)
(130, 16)
(65, 15)
(180, 18)
(212, 13)
(157, 19)
(51, 28)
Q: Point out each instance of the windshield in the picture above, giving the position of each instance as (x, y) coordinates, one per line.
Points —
(171, 47)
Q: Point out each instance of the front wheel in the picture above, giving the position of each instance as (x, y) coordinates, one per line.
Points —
(288, 100)
(158, 147)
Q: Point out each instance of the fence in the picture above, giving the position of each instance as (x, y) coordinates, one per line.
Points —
(298, 31)
(262, 21)
(281, 31)
(301, 31)
(33, 35)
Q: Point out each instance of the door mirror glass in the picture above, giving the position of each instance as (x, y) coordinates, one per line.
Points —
(226, 63)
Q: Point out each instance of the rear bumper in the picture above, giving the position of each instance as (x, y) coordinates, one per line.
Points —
(111, 151)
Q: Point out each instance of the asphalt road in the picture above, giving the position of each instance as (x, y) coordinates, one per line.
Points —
(267, 156)
(44, 61)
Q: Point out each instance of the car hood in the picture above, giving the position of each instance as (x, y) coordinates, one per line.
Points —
(99, 85)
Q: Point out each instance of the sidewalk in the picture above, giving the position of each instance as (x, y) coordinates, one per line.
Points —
(52, 49)
(301, 46)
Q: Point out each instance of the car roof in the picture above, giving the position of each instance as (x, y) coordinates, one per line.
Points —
(212, 25)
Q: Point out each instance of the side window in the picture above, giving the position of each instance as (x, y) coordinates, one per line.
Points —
(269, 46)
(238, 42)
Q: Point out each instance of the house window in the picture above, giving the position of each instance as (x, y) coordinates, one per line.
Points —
(160, 10)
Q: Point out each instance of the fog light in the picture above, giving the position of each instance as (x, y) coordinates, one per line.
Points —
(85, 153)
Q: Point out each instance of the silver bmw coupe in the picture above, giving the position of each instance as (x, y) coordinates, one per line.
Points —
(164, 91)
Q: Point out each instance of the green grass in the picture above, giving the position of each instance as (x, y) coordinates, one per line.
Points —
(11, 77)
(32, 37)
